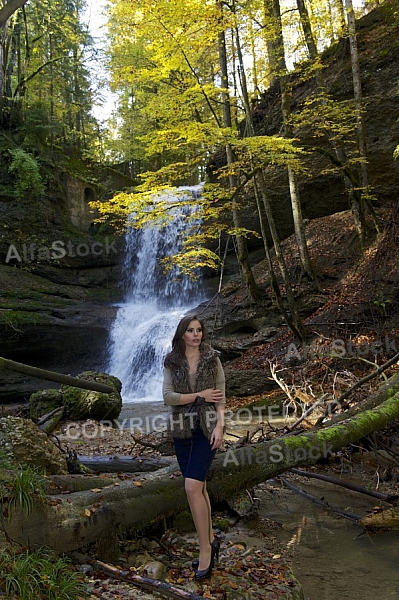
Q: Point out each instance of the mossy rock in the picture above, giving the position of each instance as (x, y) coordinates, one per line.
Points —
(85, 404)
(23, 443)
(43, 402)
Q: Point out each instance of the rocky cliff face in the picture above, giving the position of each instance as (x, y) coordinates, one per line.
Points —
(50, 325)
(321, 187)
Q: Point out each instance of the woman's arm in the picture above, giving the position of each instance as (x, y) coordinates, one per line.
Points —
(172, 398)
(217, 434)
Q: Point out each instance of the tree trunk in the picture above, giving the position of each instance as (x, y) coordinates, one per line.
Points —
(293, 320)
(354, 194)
(357, 92)
(125, 464)
(11, 365)
(365, 202)
(380, 520)
(9, 9)
(299, 227)
(67, 522)
(247, 275)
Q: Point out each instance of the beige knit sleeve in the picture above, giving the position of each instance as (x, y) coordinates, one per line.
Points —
(170, 397)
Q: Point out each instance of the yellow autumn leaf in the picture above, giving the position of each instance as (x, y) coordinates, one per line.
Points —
(85, 513)
(96, 490)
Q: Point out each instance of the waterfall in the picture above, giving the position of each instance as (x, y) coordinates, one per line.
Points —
(153, 305)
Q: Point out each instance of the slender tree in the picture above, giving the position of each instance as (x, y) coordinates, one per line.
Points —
(263, 204)
(9, 9)
(356, 190)
(357, 91)
(299, 226)
(242, 250)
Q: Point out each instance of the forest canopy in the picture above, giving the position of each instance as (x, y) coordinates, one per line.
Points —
(189, 78)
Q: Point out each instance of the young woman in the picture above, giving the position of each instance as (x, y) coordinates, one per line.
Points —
(194, 385)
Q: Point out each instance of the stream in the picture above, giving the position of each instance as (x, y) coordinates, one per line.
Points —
(331, 558)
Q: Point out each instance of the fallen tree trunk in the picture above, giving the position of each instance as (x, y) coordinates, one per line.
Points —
(79, 483)
(125, 464)
(68, 522)
(49, 422)
(11, 365)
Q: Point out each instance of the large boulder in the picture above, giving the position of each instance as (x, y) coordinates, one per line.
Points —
(85, 404)
(24, 444)
(43, 402)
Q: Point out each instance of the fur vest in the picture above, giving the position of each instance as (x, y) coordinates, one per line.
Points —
(185, 417)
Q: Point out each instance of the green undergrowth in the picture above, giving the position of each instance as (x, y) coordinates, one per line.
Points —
(19, 487)
(41, 574)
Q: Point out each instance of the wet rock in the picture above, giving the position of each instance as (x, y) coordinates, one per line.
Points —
(86, 569)
(139, 560)
(243, 504)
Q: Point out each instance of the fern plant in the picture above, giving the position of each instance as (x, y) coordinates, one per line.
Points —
(26, 171)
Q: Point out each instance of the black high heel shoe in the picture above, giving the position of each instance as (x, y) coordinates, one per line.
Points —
(205, 573)
(216, 546)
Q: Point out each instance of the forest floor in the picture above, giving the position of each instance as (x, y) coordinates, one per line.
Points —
(254, 562)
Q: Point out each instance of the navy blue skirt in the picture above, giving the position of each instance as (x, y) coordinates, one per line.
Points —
(194, 455)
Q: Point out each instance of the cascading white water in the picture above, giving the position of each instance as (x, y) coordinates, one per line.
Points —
(154, 304)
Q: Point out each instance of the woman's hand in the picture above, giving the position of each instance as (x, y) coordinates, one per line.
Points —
(211, 395)
(216, 438)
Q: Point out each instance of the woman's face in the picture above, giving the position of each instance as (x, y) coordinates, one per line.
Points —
(193, 334)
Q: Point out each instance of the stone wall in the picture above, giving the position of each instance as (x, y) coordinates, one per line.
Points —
(78, 195)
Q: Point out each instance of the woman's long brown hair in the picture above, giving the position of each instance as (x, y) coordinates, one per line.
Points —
(178, 351)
